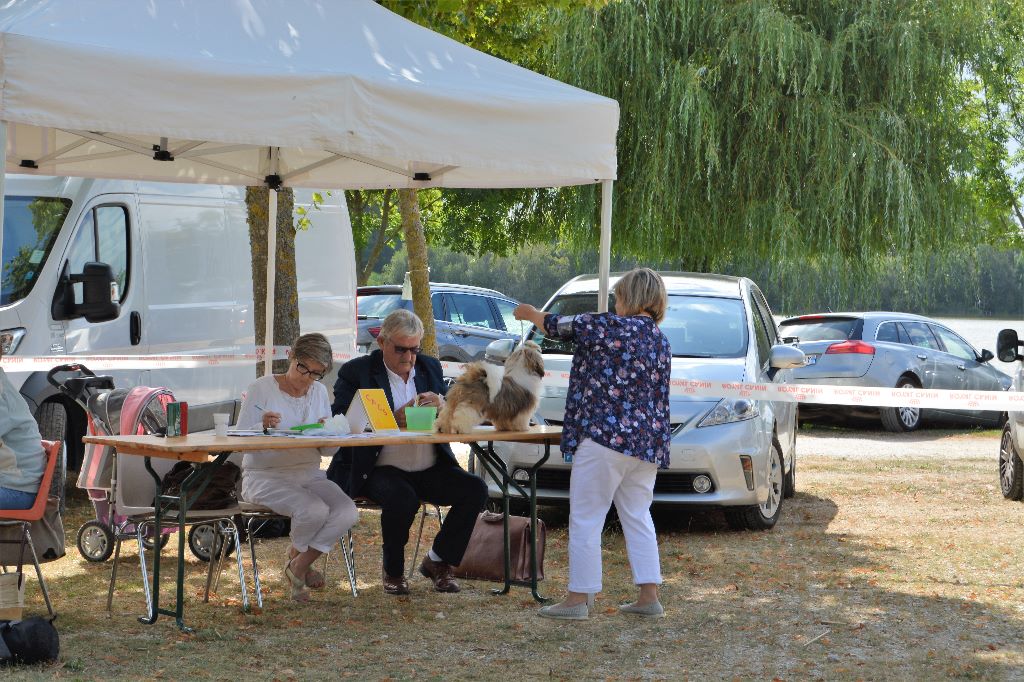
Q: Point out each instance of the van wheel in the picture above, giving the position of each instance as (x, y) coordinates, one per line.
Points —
(52, 419)
(762, 516)
(1011, 469)
(902, 419)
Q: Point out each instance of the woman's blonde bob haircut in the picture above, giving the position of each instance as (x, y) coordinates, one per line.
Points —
(315, 348)
(642, 291)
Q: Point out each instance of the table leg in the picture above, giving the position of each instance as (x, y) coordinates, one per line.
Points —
(191, 488)
(496, 468)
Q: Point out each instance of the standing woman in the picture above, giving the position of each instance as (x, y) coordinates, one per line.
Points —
(617, 433)
(290, 482)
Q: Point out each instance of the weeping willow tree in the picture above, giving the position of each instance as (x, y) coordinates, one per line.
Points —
(780, 128)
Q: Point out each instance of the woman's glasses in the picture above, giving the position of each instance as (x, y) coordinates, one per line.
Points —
(306, 371)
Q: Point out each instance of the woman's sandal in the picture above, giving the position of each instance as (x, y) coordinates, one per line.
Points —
(314, 579)
(300, 592)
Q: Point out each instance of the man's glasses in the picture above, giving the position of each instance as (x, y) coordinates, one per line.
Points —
(402, 350)
(306, 371)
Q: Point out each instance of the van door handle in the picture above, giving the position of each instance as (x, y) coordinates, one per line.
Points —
(135, 327)
(961, 368)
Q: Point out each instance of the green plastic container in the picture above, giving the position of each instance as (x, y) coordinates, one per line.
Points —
(420, 418)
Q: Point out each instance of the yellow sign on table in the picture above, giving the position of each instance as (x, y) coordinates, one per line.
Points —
(370, 408)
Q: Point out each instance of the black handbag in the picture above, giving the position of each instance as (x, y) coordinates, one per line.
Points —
(219, 493)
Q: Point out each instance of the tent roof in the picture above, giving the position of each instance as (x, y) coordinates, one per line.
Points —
(323, 93)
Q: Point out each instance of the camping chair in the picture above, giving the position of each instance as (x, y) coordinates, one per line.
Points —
(25, 517)
(367, 503)
(133, 499)
(255, 514)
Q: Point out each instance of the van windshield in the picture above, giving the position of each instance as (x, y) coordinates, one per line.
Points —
(31, 225)
(696, 326)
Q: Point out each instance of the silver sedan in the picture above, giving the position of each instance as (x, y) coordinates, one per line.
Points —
(896, 350)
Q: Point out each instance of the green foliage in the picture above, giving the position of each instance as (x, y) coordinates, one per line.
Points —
(771, 127)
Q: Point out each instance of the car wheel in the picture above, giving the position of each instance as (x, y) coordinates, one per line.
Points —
(1011, 469)
(763, 516)
(902, 419)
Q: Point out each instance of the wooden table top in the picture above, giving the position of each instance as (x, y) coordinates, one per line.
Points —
(198, 447)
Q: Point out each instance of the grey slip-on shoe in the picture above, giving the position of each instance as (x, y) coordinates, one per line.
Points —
(578, 612)
(652, 610)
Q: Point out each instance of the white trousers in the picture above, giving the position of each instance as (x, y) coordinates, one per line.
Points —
(321, 513)
(599, 477)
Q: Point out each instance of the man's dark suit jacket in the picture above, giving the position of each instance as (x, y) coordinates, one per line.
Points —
(352, 466)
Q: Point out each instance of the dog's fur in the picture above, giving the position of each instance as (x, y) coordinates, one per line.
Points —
(506, 396)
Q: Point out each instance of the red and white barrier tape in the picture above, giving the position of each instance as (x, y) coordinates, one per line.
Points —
(798, 393)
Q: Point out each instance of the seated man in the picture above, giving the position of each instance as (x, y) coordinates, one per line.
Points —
(398, 477)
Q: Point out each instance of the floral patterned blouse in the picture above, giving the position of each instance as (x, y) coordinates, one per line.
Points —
(618, 386)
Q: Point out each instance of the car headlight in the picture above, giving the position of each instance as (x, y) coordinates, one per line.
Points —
(10, 339)
(730, 410)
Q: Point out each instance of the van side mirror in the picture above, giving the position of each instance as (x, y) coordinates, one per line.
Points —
(1007, 345)
(98, 295)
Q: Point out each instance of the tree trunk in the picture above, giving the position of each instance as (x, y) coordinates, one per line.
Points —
(286, 293)
(419, 272)
(379, 240)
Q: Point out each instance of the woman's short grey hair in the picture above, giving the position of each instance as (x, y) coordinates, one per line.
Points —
(315, 348)
(642, 291)
(400, 322)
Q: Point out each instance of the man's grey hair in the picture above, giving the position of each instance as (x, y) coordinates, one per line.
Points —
(400, 322)
(314, 347)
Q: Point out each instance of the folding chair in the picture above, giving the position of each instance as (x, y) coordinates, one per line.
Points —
(25, 517)
(254, 514)
(133, 499)
(367, 503)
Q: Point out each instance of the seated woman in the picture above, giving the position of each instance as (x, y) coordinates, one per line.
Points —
(290, 482)
(22, 459)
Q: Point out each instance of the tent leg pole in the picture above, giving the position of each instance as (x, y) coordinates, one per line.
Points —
(3, 179)
(268, 338)
(604, 259)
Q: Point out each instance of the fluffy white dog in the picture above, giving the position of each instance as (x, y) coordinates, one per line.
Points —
(506, 396)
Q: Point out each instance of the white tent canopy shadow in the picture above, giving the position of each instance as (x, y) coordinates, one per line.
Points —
(332, 94)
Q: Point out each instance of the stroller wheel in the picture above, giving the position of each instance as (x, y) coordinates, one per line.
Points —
(95, 541)
(147, 542)
(201, 541)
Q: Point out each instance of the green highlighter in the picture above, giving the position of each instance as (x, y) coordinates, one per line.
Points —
(306, 427)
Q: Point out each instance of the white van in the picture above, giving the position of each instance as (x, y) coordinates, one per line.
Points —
(180, 257)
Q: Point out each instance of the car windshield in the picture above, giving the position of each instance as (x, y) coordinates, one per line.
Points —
(31, 225)
(378, 305)
(696, 326)
(819, 328)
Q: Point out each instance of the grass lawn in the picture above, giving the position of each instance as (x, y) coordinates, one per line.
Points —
(879, 569)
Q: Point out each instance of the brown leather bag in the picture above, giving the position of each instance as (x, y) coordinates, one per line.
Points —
(485, 558)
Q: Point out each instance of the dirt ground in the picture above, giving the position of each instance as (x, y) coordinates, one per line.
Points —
(897, 559)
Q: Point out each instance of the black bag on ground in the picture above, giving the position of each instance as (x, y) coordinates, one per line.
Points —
(33, 640)
(47, 537)
(220, 491)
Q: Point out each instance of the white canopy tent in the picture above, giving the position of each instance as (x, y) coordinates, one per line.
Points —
(306, 93)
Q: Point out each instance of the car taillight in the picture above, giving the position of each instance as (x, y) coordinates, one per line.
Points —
(374, 331)
(858, 347)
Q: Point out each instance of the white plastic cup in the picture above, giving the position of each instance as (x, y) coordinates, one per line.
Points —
(220, 423)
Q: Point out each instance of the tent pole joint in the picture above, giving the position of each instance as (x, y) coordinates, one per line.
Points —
(28, 163)
(274, 181)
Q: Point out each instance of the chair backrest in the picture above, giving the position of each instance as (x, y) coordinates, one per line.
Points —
(51, 450)
(133, 486)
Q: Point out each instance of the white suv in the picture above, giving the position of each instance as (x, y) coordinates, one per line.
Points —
(734, 453)
(1011, 469)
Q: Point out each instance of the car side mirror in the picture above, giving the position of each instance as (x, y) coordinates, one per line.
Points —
(99, 294)
(497, 352)
(1007, 345)
(986, 355)
(785, 357)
